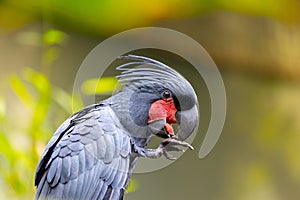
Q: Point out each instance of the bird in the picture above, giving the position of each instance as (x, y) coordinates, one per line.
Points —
(93, 153)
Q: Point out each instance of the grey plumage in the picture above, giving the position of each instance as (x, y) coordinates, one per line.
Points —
(89, 159)
(93, 153)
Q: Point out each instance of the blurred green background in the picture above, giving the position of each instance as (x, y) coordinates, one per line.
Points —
(255, 44)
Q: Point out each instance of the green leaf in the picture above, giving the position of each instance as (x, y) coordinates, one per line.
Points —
(52, 54)
(6, 149)
(39, 80)
(21, 91)
(103, 85)
(2, 109)
(133, 185)
(60, 97)
(54, 36)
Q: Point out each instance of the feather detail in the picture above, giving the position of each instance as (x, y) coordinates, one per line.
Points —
(88, 165)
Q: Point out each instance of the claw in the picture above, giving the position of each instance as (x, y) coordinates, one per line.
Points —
(164, 148)
(174, 141)
(168, 145)
(168, 155)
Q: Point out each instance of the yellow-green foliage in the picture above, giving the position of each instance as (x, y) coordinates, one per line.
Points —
(45, 107)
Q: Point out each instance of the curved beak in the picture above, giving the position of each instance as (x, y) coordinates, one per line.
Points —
(188, 121)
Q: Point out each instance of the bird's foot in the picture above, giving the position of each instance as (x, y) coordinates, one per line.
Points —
(171, 144)
(167, 145)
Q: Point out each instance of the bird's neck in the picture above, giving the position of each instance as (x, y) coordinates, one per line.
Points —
(120, 103)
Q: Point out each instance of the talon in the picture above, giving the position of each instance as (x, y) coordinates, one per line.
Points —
(190, 146)
(176, 142)
(164, 147)
(168, 145)
(168, 156)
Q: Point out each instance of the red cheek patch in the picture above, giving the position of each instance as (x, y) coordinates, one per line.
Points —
(163, 109)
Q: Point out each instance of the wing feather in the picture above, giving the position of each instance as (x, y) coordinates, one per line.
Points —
(56, 177)
(79, 188)
(102, 191)
(66, 170)
(98, 188)
(87, 158)
(66, 193)
(73, 184)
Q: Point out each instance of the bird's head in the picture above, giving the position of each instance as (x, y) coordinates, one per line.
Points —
(154, 96)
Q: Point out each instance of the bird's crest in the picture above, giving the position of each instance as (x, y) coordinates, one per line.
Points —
(142, 70)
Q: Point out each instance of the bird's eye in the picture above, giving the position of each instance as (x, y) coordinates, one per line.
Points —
(166, 94)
